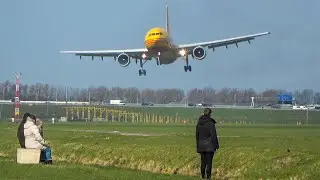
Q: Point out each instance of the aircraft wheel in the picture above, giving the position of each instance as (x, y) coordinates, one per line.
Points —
(140, 73)
(185, 68)
(144, 72)
(158, 61)
(189, 68)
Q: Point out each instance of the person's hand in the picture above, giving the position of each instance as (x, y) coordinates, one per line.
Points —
(47, 144)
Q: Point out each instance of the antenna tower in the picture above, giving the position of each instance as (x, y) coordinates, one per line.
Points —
(17, 98)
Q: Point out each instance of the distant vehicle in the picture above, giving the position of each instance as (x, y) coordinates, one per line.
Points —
(204, 105)
(117, 102)
(146, 104)
(269, 105)
(191, 105)
(300, 107)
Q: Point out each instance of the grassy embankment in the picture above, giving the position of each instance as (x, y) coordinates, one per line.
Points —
(247, 152)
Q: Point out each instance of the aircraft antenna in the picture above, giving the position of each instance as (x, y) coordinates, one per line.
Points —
(167, 18)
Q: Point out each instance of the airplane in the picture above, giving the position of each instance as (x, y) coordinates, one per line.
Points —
(160, 47)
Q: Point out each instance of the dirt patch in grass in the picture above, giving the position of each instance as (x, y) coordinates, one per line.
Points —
(116, 132)
(2, 154)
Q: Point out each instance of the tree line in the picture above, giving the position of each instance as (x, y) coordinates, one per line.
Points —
(227, 96)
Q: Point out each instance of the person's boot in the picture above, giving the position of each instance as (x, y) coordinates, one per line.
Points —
(48, 162)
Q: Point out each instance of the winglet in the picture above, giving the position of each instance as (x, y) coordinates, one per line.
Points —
(65, 52)
(266, 33)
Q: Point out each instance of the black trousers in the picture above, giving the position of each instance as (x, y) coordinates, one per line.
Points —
(206, 164)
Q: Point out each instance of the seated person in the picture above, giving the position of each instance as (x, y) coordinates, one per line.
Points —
(32, 137)
(40, 126)
(20, 132)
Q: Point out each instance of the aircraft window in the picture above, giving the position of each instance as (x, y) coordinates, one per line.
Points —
(160, 33)
(157, 33)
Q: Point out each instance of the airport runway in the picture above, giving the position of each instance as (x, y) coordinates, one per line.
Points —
(166, 105)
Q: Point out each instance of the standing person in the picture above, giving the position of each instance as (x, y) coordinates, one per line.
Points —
(207, 142)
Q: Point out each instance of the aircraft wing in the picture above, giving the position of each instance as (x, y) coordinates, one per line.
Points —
(223, 42)
(133, 53)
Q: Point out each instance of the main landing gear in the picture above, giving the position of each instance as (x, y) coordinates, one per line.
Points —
(187, 67)
(141, 70)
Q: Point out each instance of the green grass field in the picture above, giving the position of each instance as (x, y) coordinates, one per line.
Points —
(94, 151)
(253, 116)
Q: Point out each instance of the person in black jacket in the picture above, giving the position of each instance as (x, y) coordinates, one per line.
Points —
(207, 142)
(20, 132)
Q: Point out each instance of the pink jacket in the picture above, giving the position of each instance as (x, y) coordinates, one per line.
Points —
(33, 139)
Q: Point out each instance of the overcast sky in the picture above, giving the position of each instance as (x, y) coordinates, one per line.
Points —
(33, 32)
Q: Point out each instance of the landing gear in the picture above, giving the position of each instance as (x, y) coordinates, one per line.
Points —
(142, 71)
(158, 59)
(187, 67)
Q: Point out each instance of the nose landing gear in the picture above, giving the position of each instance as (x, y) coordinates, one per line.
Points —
(158, 59)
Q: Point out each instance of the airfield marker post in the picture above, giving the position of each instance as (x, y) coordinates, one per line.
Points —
(17, 98)
(119, 115)
(307, 115)
(252, 102)
(3, 88)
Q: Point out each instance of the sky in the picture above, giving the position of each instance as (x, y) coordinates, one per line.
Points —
(33, 33)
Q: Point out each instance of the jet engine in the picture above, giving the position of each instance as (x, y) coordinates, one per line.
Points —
(199, 53)
(123, 59)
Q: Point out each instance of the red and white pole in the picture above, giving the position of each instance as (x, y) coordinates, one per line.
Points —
(17, 98)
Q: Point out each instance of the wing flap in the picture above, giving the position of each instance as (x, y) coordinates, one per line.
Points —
(224, 43)
(110, 53)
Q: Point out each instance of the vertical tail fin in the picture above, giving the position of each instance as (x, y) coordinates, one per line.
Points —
(167, 19)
